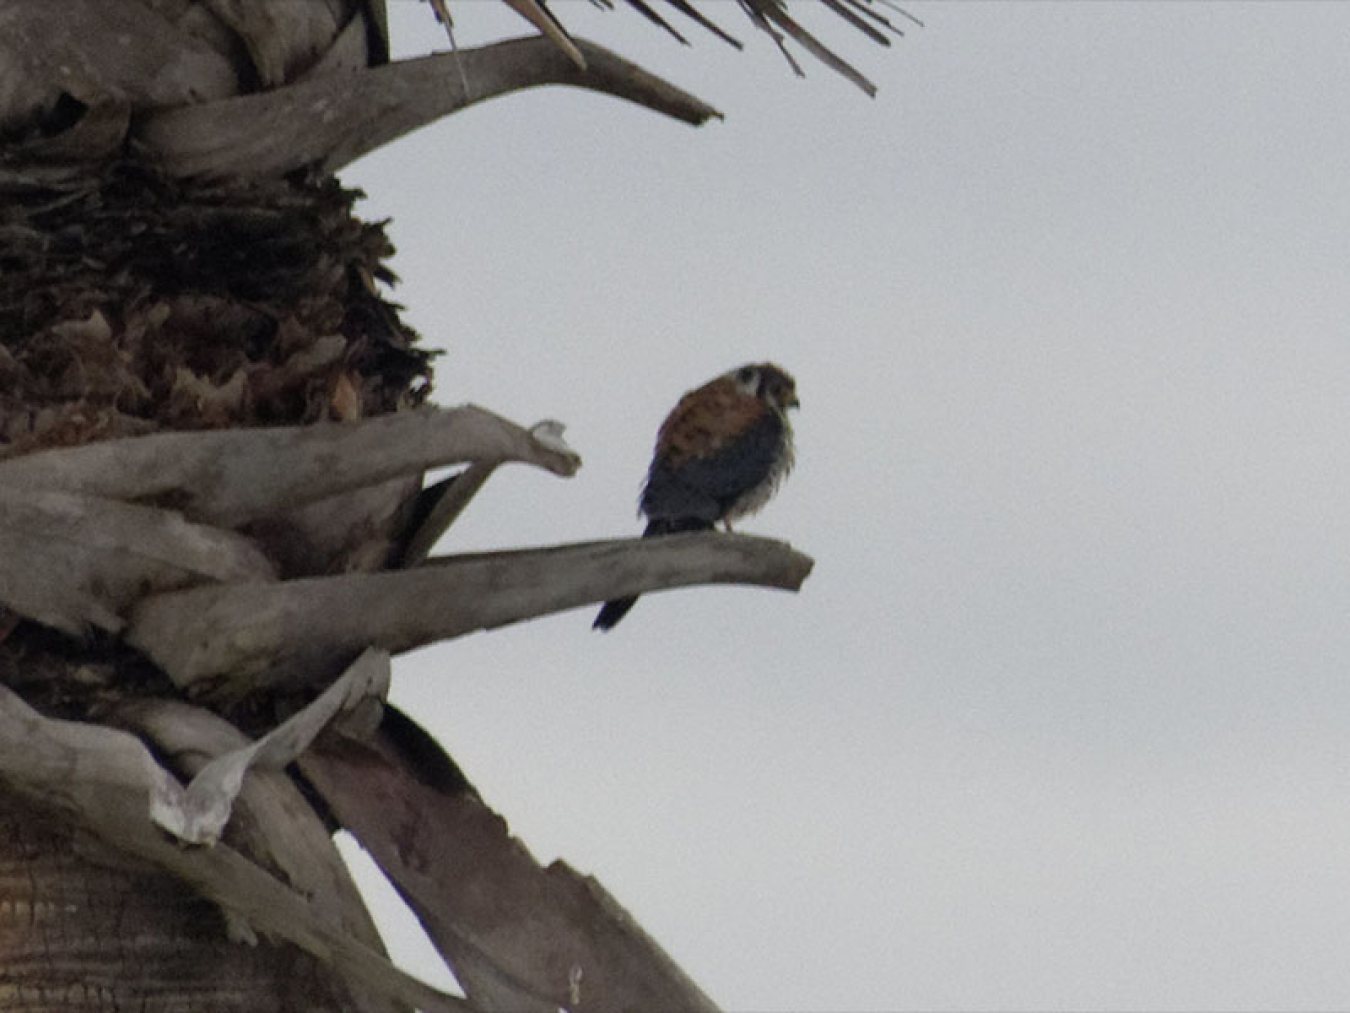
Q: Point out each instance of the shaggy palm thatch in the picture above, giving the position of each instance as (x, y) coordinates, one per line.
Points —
(133, 303)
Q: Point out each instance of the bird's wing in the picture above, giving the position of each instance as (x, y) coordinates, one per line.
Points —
(704, 420)
(704, 485)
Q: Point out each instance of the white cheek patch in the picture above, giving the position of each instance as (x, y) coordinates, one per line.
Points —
(750, 385)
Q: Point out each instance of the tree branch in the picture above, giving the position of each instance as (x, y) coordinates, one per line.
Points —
(332, 120)
(270, 819)
(72, 561)
(231, 640)
(438, 507)
(198, 814)
(519, 936)
(230, 477)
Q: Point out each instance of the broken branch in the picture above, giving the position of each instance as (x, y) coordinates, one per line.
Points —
(230, 477)
(231, 640)
(333, 120)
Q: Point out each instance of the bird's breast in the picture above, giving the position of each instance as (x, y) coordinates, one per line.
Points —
(757, 495)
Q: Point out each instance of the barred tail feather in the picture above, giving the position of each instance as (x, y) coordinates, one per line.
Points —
(613, 611)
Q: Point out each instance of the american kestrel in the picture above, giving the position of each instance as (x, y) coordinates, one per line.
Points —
(719, 456)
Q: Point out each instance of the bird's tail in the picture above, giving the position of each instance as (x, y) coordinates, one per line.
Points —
(613, 611)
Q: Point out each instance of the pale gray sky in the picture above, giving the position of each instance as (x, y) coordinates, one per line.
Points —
(1062, 718)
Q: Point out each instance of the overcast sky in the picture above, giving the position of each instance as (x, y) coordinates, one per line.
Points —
(1062, 717)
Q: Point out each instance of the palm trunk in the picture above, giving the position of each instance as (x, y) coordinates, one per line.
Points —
(84, 928)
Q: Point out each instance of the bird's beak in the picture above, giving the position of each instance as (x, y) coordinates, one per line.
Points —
(793, 402)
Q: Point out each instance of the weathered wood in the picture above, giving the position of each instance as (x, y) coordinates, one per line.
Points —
(334, 119)
(431, 513)
(197, 814)
(233, 640)
(103, 780)
(353, 531)
(441, 505)
(271, 822)
(73, 561)
(98, 135)
(178, 62)
(283, 39)
(518, 936)
(270, 819)
(352, 50)
(96, 50)
(231, 477)
(542, 19)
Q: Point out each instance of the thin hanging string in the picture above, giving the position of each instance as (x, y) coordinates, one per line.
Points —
(442, 13)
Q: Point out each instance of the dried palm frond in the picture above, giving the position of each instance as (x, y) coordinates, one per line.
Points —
(258, 88)
(769, 16)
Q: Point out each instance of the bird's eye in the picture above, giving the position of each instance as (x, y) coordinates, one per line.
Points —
(745, 376)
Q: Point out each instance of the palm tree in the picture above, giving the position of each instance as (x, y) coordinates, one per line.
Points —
(214, 528)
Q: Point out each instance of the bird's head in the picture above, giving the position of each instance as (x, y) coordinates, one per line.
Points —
(767, 382)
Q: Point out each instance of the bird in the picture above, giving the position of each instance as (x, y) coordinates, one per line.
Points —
(720, 455)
